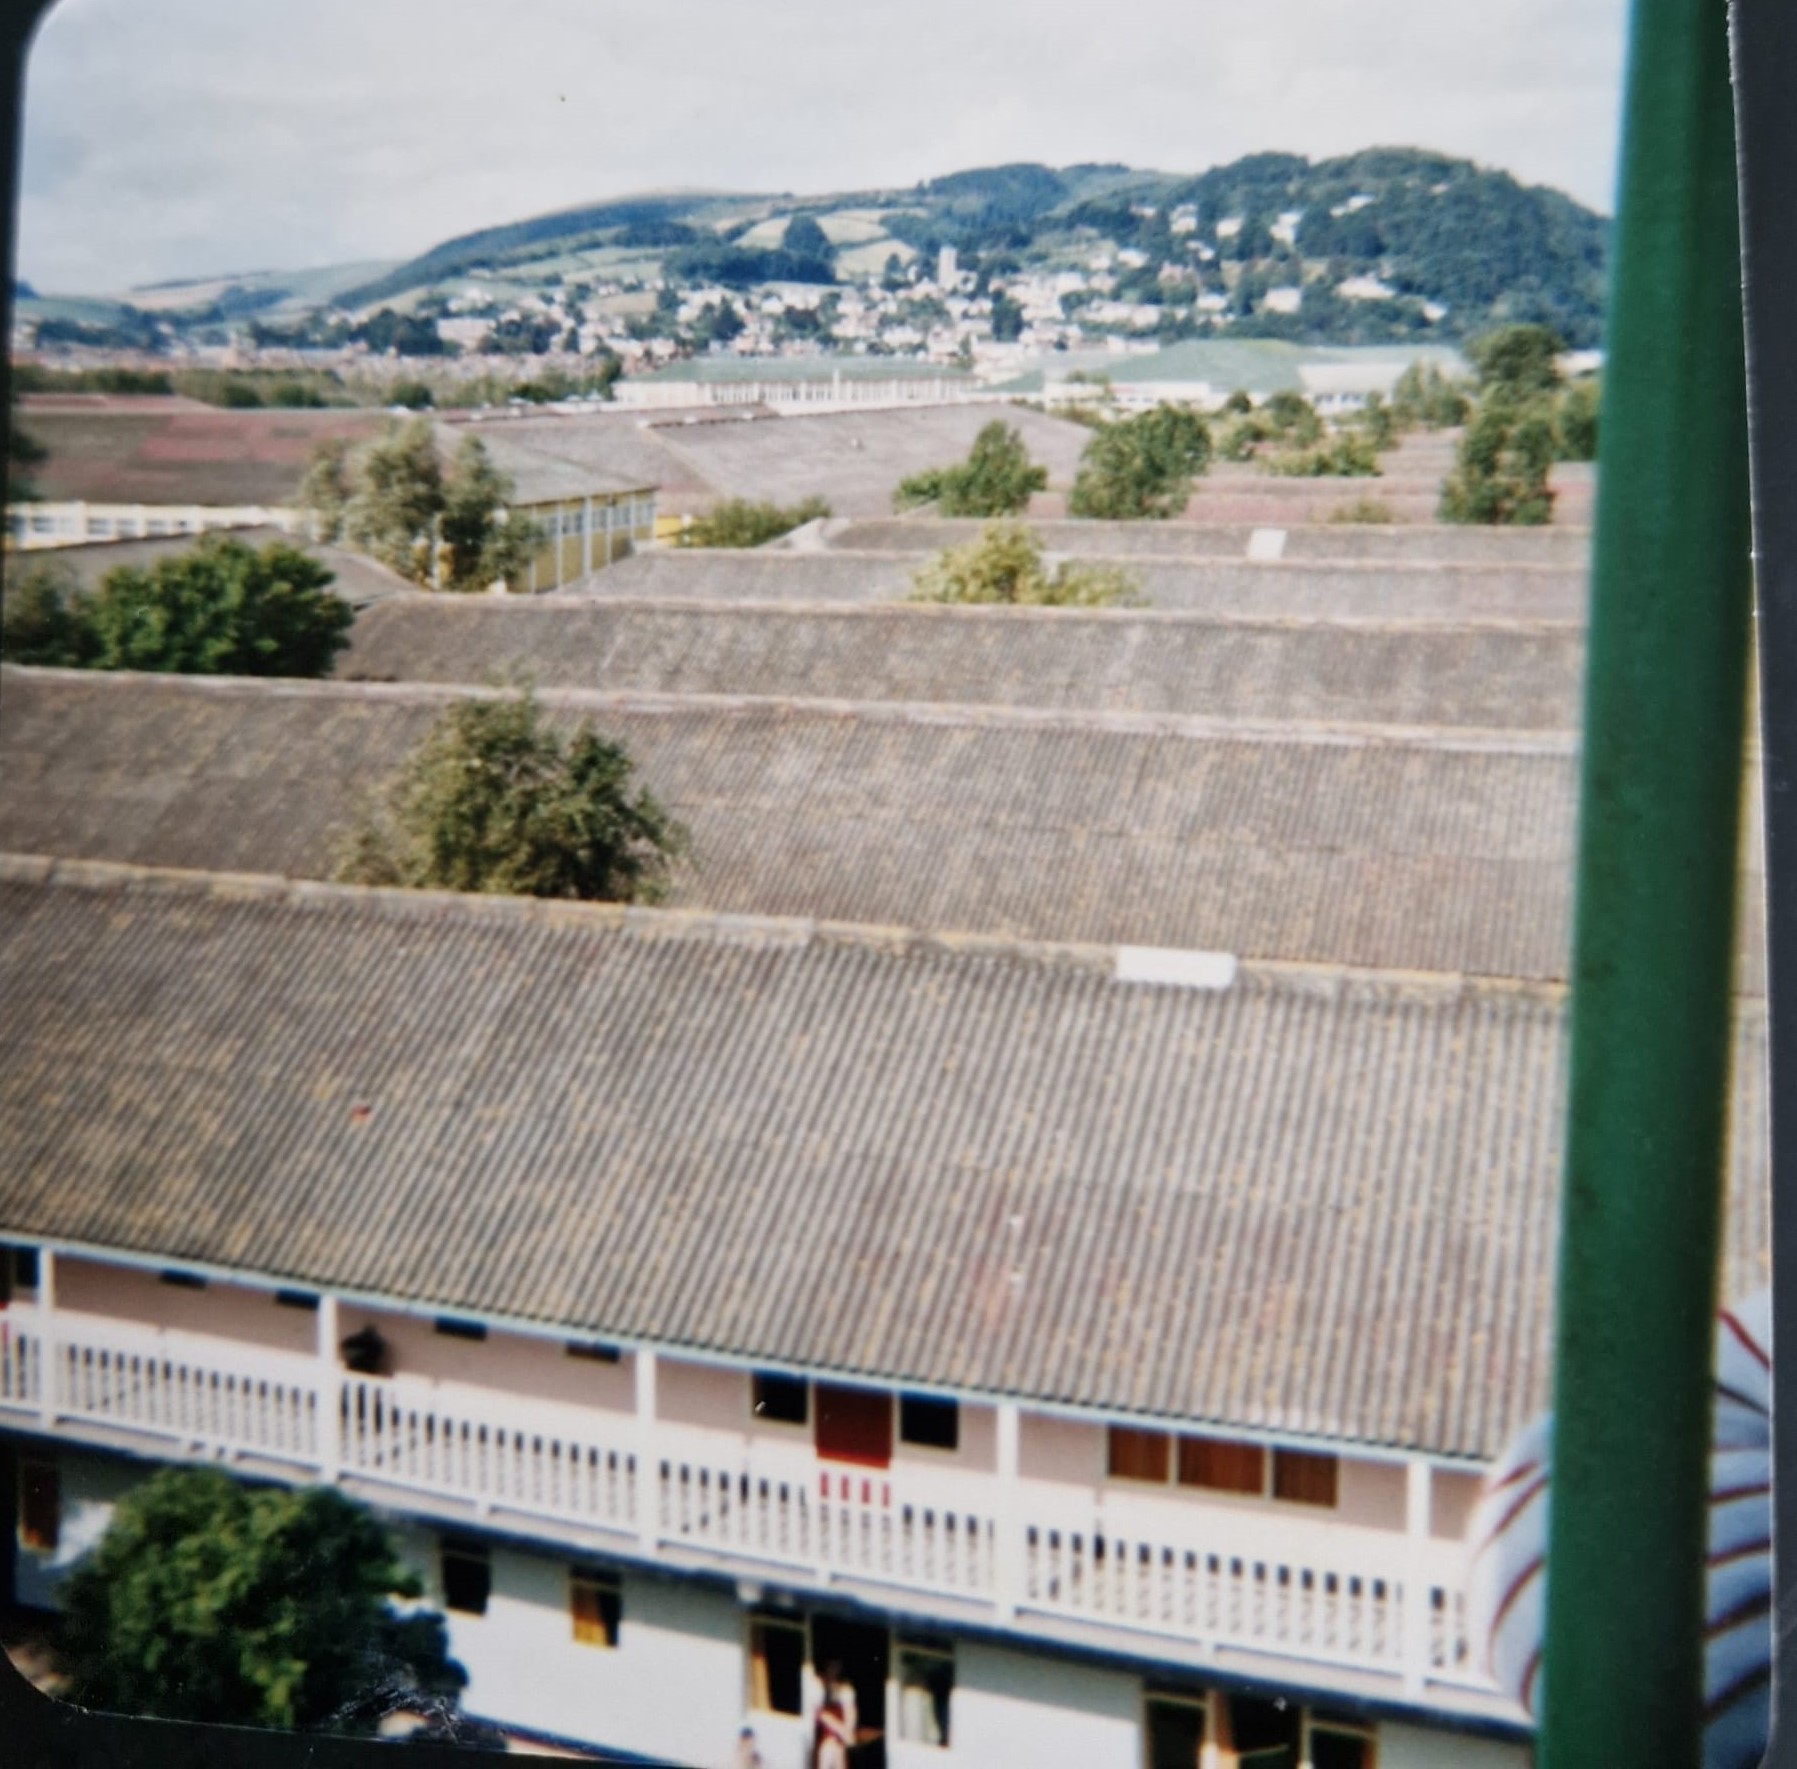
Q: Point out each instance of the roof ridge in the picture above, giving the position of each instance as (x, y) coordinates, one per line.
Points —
(1195, 726)
(1334, 981)
(865, 610)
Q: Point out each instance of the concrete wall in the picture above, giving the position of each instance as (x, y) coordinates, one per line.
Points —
(1418, 1747)
(1012, 1710)
(233, 1311)
(515, 1363)
(673, 1686)
(1060, 1449)
(1452, 1497)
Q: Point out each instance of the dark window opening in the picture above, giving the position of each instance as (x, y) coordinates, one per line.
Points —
(596, 1606)
(467, 1576)
(926, 1679)
(776, 1665)
(594, 1352)
(297, 1299)
(1139, 1455)
(184, 1280)
(936, 1424)
(365, 1353)
(451, 1328)
(1303, 1478)
(1175, 1728)
(787, 1401)
(24, 1267)
(40, 1506)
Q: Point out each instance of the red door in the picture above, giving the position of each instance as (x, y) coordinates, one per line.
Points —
(853, 1425)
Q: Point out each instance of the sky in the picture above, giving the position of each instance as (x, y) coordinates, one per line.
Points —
(178, 138)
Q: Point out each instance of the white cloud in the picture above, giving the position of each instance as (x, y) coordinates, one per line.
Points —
(183, 137)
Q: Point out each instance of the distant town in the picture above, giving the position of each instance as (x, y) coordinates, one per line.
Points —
(1017, 277)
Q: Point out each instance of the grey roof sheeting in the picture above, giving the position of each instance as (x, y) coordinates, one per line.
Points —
(1315, 589)
(1416, 852)
(1311, 1203)
(1496, 676)
(1422, 544)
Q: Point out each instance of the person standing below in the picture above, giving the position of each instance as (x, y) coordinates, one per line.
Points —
(834, 1736)
(746, 1756)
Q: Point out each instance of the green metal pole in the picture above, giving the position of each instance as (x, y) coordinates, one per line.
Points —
(1653, 944)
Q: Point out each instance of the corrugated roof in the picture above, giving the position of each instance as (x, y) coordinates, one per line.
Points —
(1374, 543)
(1499, 676)
(357, 578)
(1429, 852)
(540, 470)
(1309, 1203)
(1203, 586)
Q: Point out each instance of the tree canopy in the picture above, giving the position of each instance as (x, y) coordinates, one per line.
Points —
(1141, 466)
(1004, 564)
(210, 1600)
(394, 500)
(740, 522)
(497, 800)
(996, 479)
(1519, 359)
(1501, 472)
(222, 608)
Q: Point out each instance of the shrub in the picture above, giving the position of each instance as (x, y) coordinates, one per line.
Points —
(1425, 397)
(1004, 564)
(1501, 473)
(1141, 467)
(1346, 455)
(496, 800)
(996, 479)
(1576, 419)
(222, 608)
(1363, 509)
(740, 523)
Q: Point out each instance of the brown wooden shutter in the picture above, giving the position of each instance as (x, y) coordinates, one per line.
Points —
(854, 1425)
(1222, 1466)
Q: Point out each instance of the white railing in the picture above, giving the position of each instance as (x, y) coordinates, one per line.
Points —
(535, 1460)
(1211, 1575)
(74, 523)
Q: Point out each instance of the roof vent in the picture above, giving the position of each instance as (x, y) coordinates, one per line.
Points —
(1174, 968)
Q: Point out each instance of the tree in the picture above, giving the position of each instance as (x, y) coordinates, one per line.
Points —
(739, 523)
(1005, 565)
(1345, 456)
(496, 800)
(414, 395)
(23, 452)
(1501, 472)
(1292, 418)
(1141, 466)
(996, 479)
(210, 1600)
(397, 494)
(1425, 396)
(221, 609)
(479, 542)
(1007, 318)
(1576, 418)
(38, 622)
(1520, 359)
(396, 503)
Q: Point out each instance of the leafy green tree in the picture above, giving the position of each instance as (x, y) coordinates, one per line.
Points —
(210, 1600)
(23, 453)
(737, 522)
(1576, 418)
(395, 502)
(414, 395)
(1007, 318)
(1501, 473)
(1519, 359)
(221, 608)
(496, 800)
(1004, 564)
(1141, 466)
(805, 239)
(996, 479)
(479, 541)
(1377, 422)
(325, 491)
(1426, 397)
(397, 495)
(1238, 404)
(1292, 418)
(38, 619)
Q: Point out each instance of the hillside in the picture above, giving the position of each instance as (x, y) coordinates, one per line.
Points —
(1391, 244)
